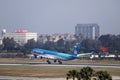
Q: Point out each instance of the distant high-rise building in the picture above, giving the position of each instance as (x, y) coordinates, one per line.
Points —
(87, 31)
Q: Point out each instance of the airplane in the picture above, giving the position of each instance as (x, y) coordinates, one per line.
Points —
(57, 56)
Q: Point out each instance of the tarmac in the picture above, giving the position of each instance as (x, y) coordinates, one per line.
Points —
(35, 78)
(28, 78)
(72, 64)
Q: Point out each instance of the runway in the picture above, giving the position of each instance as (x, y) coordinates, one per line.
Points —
(35, 78)
(64, 64)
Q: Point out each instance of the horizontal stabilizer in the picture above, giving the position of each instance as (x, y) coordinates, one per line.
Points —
(84, 54)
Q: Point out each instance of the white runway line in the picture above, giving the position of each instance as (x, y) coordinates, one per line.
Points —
(35, 78)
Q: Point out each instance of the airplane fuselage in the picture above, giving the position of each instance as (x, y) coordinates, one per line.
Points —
(53, 55)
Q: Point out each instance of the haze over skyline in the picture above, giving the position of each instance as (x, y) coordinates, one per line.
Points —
(59, 16)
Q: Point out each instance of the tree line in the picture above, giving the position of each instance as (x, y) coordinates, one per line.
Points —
(112, 42)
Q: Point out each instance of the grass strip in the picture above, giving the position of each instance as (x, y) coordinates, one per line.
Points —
(46, 71)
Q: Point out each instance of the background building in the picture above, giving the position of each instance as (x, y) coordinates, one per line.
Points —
(20, 36)
(0, 41)
(55, 37)
(87, 30)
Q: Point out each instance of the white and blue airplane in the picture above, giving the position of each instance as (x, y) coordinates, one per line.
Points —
(57, 56)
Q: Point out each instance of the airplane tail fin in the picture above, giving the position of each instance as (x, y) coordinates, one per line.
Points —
(76, 49)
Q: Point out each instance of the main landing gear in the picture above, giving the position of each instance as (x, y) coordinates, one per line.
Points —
(48, 62)
(59, 61)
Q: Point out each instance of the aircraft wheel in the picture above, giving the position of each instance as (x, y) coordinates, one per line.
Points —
(60, 62)
(35, 56)
(48, 62)
(41, 57)
(55, 61)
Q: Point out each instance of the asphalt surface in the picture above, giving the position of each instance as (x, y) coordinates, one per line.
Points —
(28, 78)
(64, 64)
(35, 78)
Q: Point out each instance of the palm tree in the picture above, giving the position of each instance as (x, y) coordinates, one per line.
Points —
(71, 74)
(86, 73)
(103, 75)
(78, 76)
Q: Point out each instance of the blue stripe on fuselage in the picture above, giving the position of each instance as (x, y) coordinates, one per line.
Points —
(56, 54)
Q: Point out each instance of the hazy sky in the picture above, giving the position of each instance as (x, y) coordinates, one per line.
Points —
(59, 16)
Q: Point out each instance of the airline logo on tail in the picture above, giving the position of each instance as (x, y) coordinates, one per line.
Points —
(76, 49)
